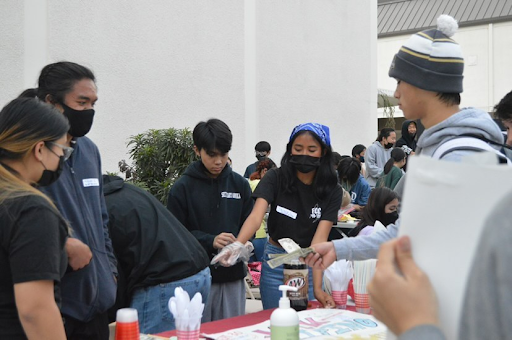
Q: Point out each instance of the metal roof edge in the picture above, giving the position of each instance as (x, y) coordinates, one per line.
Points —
(461, 24)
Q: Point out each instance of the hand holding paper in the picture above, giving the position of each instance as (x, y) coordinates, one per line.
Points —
(401, 300)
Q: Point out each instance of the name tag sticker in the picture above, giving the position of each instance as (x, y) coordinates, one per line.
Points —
(286, 212)
(91, 182)
(231, 195)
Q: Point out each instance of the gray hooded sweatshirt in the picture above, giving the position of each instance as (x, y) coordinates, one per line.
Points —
(465, 121)
(376, 157)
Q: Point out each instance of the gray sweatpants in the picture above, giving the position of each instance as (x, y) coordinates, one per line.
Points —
(226, 300)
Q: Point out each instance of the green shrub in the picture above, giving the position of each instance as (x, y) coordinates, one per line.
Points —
(159, 158)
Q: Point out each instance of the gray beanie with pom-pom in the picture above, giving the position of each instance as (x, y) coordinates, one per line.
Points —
(431, 60)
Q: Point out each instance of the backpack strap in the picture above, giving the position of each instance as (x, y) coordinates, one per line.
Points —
(468, 144)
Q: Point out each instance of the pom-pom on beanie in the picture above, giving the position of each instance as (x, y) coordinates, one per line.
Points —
(431, 60)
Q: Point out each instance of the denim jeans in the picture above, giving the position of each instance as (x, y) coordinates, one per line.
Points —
(271, 279)
(259, 248)
(151, 303)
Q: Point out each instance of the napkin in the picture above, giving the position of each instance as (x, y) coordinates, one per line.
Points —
(339, 274)
(187, 313)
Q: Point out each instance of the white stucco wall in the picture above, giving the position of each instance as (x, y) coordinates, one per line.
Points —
(487, 70)
(261, 66)
(316, 62)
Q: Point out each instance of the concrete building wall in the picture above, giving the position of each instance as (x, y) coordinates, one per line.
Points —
(261, 66)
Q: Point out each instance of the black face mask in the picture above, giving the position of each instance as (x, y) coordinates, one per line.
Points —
(50, 176)
(388, 145)
(304, 163)
(261, 157)
(80, 122)
(389, 218)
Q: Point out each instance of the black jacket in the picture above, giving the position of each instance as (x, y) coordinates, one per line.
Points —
(210, 206)
(151, 245)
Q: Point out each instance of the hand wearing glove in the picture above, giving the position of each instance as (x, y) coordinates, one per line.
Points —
(232, 253)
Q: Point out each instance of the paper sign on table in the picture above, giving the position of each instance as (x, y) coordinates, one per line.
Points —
(316, 324)
(444, 211)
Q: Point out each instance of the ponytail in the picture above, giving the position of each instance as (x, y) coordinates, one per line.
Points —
(389, 165)
(397, 155)
(28, 93)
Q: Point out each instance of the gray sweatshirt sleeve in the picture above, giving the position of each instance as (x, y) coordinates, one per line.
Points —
(487, 312)
(364, 247)
(423, 332)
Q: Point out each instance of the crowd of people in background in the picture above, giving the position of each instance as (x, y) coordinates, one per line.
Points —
(77, 244)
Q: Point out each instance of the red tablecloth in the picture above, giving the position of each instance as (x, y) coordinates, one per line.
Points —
(239, 321)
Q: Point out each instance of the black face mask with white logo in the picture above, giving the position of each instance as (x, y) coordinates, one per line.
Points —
(304, 163)
(80, 121)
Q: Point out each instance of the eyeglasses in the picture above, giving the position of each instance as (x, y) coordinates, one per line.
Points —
(67, 151)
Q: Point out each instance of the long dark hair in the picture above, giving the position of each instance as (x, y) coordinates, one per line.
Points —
(24, 122)
(397, 155)
(374, 209)
(57, 80)
(325, 178)
(384, 133)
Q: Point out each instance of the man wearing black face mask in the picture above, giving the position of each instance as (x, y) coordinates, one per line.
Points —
(89, 286)
(378, 154)
(262, 151)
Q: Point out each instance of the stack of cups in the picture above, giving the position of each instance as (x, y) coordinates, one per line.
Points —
(127, 324)
(363, 273)
(340, 298)
(361, 299)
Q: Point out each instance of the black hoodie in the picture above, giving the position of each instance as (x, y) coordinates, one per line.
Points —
(210, 206)
(406, 138)
(151, 245)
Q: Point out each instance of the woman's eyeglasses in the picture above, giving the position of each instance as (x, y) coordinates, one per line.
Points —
(67, 151)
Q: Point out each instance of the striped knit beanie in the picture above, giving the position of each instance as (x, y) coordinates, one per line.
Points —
(430, 60)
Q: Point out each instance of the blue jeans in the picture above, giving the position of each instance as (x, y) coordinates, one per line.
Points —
(151, 303)
(259, 248)
(271, 279)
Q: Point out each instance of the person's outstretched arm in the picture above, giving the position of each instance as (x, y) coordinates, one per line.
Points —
(350, 249)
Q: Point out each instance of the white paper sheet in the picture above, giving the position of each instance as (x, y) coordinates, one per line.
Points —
(445, 208)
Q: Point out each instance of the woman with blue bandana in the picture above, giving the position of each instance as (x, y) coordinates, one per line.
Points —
(304, 197)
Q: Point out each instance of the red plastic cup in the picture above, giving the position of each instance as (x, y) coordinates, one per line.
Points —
(187, 335)
(362, 303)
(340, 298)
(127, 324)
